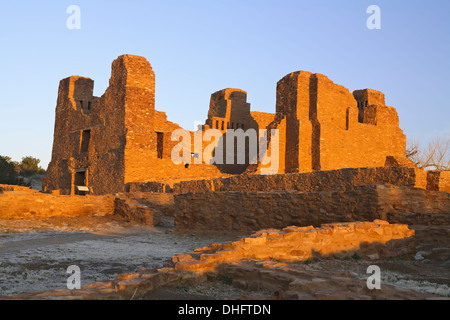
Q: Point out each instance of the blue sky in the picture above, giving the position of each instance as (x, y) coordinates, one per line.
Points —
(197, 47)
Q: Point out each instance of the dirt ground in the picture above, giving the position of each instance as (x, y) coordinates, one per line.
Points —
(35, 255)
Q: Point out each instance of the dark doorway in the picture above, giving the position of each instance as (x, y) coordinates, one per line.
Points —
(80, 178)
(80, 183)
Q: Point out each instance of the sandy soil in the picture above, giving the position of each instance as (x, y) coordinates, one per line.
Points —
(35, 254)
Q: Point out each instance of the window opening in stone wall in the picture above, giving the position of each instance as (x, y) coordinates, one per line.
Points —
(85, 139)
(347, 116)
(160, 144)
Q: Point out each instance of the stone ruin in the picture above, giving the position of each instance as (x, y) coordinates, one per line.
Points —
(341, 166)
(101, 144)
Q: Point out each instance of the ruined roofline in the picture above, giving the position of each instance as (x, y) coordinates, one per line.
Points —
(75, 77)
(263, 113)
(365, 91)
(368, 90)
(370, 96)
(227, 92)
(122, 57)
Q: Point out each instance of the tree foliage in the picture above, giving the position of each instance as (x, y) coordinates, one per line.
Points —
(30, 166)
(8, 173)
(13, 172)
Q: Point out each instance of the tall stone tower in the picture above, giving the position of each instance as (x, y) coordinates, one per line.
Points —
(95, 139)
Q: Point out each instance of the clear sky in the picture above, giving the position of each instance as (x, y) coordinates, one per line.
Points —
(197, 47)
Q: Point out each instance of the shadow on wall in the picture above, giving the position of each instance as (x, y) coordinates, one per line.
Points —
(244, 147)
(229, 112)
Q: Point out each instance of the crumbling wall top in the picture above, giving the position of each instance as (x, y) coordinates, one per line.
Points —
(132, 71)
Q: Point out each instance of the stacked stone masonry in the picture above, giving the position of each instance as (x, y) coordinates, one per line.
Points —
(253, 210)
(369, 240)
(26, 205)
(343, 179)
(133, 210)
(103, 144)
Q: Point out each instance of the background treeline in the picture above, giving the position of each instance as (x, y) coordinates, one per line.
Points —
(18, 173)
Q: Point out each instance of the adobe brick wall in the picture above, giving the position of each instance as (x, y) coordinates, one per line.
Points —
(250, 210)
(21, 205)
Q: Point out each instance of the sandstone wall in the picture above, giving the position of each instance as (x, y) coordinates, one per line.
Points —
(115, 139)
(106, 142)
(18, 205)
(438, 181)
(370, 240)
(344, 179)
(89, 135)
(8, 187)
(444, 181)
(328, 127)
(133, 210)
(162, 202)
(150, 186)
(250, 210)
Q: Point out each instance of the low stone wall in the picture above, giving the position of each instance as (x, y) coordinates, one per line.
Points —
(250, 211)
(8, 187)
(21, 205)
(438, 181)
(134, 211)
(150, 186)
(368, 240)
(338, 180)
(444, 181)
(413, 205)
(343, 179)
(162, 202)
